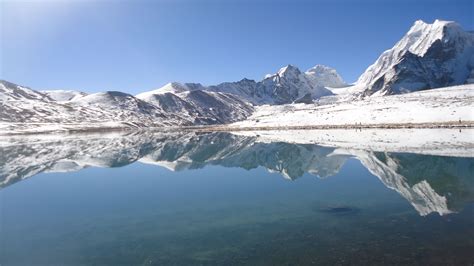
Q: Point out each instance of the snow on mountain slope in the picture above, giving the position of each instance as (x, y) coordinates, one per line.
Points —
(449, 104)
(168, 101)
(22, 107)
(217, 107)
(245, 89)
(63, 95)
(120, 106)
(429, 56)
(14, 92)
(26, 111)
(172, 87)
(288, 85)
(199, 106)
(323, 76)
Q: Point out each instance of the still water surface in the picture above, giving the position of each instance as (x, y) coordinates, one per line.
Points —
(221, 199)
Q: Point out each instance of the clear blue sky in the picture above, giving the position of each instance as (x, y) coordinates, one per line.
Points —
(135, 46)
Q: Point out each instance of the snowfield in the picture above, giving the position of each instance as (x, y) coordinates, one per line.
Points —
(444, 105)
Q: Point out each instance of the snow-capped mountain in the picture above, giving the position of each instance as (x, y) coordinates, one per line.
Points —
(12, 92)
(176, 87)
(288, 85)
(63, 95)
(429, 56)
(199, 106)
(21, 105)
(324, 76)
(125, 107)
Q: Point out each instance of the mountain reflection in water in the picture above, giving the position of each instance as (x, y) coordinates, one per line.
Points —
(431, 183)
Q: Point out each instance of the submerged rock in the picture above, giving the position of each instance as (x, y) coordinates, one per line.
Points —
(339, 210)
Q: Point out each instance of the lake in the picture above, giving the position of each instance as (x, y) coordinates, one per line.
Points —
(254, 198)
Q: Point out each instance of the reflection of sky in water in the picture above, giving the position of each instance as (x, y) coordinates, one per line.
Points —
(142, 213)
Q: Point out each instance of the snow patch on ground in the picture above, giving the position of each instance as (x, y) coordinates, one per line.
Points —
(448, 104)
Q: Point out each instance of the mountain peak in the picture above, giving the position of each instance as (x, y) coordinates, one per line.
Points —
(436, 24)
(173, 87)
(428, 56)
(325, 76)
(11, 91)
(320, 68)
(422, 35)
(288, 70)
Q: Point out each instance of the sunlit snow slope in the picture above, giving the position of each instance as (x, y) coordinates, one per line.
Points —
(449, 104)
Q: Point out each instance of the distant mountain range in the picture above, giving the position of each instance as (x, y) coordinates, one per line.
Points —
(429, 56)
(288, 85)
